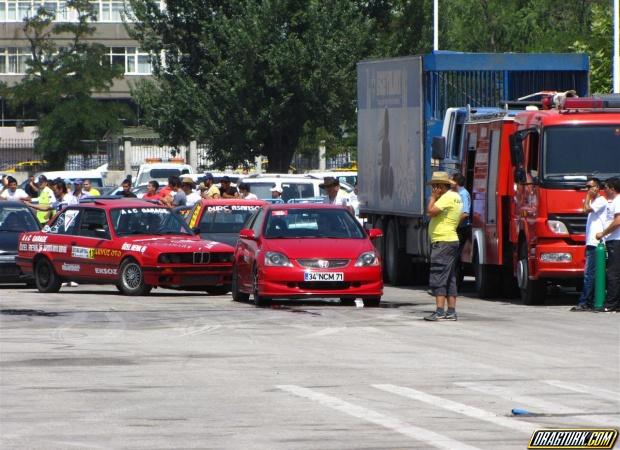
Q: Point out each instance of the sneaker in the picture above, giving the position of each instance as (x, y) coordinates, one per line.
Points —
(580, 307)
(604, 310)
(450, 316)
(435, 316)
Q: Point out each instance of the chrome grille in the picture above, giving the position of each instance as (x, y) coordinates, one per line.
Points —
(323, 263)
(201, 258)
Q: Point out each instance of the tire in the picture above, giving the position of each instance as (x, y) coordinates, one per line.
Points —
(372, 302)
(237, 295)
(533, 292)
(259, 301)
(218, 290)
(487, 279)
(46, 279)
(398, 265)
(132, 279)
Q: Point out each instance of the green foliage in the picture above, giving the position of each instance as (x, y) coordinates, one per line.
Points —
(247, 77)
(59, 83)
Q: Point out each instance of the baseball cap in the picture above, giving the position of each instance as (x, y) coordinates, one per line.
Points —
(40, 178)
(276, 189)
(208, 176)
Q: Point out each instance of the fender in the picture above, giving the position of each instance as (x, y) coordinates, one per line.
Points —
(479, 244)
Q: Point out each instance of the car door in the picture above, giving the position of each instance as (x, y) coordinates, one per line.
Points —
(100, 257)
(61, 243)
(246, 252)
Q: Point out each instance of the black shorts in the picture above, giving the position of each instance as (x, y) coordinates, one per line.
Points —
(444, 256)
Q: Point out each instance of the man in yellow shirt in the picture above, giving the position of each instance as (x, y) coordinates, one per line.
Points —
(444, 208)
(89, 190)
(46, 197)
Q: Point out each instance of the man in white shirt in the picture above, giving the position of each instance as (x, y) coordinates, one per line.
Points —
(12, 192)
(611, 233)
(335, 196)
(191, 196)
(595, 205)
(245, 192)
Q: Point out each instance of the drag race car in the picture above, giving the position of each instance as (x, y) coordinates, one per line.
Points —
(130, 243)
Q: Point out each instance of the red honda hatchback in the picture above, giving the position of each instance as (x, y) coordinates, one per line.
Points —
(305, 251)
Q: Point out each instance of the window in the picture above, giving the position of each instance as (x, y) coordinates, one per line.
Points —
(66, 222)
(132, 59)
(13, 60)
(93, 220)
(105, 10)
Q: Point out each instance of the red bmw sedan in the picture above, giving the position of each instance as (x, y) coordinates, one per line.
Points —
(301, 251)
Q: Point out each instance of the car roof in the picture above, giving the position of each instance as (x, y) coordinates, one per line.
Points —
(232, 202)
(119, 203)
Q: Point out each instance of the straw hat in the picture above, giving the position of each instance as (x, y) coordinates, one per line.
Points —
(441, 178)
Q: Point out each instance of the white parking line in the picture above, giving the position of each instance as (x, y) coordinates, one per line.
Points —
(582, 388)
(470, 411)
(539, 405)
(420, 434)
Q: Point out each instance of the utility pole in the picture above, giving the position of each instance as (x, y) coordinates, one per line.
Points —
(616, 56)
(436, 24)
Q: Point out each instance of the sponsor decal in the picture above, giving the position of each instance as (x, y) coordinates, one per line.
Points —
(26, 238)
(71, 267)
(145, 211)
(39, 239)
(83, 252)
(228, 208)
(106, 271)
(574, 438)
(50, 248)
(195, 215)
(107, 252)
(245, 207)
(70, 216)
(46, 229)
(133, 247)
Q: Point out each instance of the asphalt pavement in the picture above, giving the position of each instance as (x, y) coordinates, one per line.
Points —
(89, 368)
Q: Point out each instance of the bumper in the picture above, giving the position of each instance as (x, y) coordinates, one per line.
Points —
(189, 276)
(10, 272)
(549, 269)
(288, 282)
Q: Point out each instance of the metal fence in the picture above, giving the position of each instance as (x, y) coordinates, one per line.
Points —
(304, 163)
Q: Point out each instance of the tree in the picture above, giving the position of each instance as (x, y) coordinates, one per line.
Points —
(60, 81)
(248, 77)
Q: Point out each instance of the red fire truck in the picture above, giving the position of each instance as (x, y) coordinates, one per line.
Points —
(526, 172)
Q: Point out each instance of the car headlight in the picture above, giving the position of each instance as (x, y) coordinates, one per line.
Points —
(367, 259)
(557, 227)
(277, 259)
(169, 258)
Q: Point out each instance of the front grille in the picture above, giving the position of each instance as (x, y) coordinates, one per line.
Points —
(201, 258)
(323, 263)
(575, 223)
(324, 285)
(221, 257)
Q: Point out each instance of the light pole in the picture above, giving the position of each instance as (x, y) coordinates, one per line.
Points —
(436, 24)
(616, 56)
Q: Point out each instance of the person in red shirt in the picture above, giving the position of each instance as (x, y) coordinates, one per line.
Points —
(151, 191)
(172, 181)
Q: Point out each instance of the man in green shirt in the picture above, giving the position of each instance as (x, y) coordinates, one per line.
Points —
(46, 197)
(444, 208)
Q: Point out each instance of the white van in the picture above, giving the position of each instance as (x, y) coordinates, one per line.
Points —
(161, 172)
(293, 186)
(346, 176)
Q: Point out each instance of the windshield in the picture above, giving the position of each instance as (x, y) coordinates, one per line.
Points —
(312, 223)
(148, 220)
(289, 189)
(577, 152)
(17, 219)
(225, 219)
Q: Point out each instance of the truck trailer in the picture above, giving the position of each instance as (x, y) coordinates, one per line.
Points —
(401, 105)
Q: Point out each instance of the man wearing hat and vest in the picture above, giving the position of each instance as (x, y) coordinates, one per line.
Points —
(46, 197)
(444, 209)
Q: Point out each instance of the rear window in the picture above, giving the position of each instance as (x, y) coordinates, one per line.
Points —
(312, 223)
(17, 219)
(164, 173)
(225, 219)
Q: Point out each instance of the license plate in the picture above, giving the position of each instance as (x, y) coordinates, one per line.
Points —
(323, 276)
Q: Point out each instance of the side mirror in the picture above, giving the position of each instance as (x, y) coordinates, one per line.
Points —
(520, 176)
(101, 233)
(438, 147)
(246, 233)
(375, 233)
(516, 149)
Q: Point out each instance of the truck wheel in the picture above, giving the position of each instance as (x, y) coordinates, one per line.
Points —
(533, 292)
(45, 278)
(237, 295)
(132, 279)
(487, 279)
(398, 264)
